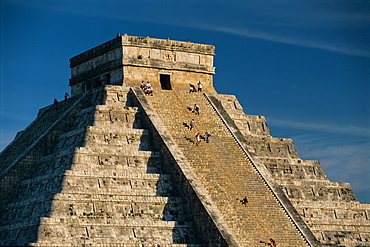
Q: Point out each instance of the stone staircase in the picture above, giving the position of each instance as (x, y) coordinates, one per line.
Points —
(330, 209)
(102, 185)
(225, 171)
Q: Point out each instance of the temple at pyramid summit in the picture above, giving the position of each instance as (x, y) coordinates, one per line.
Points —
(127, 160)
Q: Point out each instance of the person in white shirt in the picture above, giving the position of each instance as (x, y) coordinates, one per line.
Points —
(200, 85)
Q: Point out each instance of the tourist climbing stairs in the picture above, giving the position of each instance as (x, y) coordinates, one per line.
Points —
(225, 171)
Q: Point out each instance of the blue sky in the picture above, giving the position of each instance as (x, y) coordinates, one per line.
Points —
(304, 65)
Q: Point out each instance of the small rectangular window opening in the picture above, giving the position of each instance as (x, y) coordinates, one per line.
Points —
(165, 81)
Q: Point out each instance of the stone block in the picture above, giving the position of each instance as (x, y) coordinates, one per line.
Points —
(123, 208)
(365, 236)
(46, 231)
(80, 158)
(103, 207)
(100, 232)
(71, 208)
(80, 183)
(125, 234)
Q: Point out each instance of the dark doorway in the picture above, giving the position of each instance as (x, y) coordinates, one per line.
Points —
(165, 81)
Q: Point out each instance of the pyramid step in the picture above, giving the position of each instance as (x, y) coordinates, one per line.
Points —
(117, 174)
(103, 182)
(116, 244)
(124, 157)
(86, 221)
(89, 181)
(116, 130)
(56, 232)
(118, 138)
(45, 201)
(119, 124)
(152, 191)
(150, 167)
(99, 205)
(160, 232)
(106, 150)
(118, 108)
(117, 198)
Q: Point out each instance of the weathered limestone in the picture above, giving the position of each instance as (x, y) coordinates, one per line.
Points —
(129, 60)
(112, 166)
(329, 208)
(99, 185)
(227, 174)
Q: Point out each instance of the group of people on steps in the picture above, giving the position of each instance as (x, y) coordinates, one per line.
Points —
(198, 136)
(147, 88)
(192, 87)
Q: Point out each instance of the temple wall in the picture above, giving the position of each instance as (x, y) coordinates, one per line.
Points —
(130, 60)
(96, 62)
(180, 80)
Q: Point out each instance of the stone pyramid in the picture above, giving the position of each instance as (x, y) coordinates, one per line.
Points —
(113, 166)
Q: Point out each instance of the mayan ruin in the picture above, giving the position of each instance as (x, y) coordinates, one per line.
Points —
(118, 164)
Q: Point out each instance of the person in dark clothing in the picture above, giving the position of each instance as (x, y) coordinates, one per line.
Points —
(207, 137)
(196, 109)
(273, 242)
(191, 124)
(192, 89)
(244, 201)
(66, 96)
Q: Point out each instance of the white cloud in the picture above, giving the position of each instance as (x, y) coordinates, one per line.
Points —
(291, 40)
(297, 21)
(343, 159)
(343, 152)
(351, 130)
